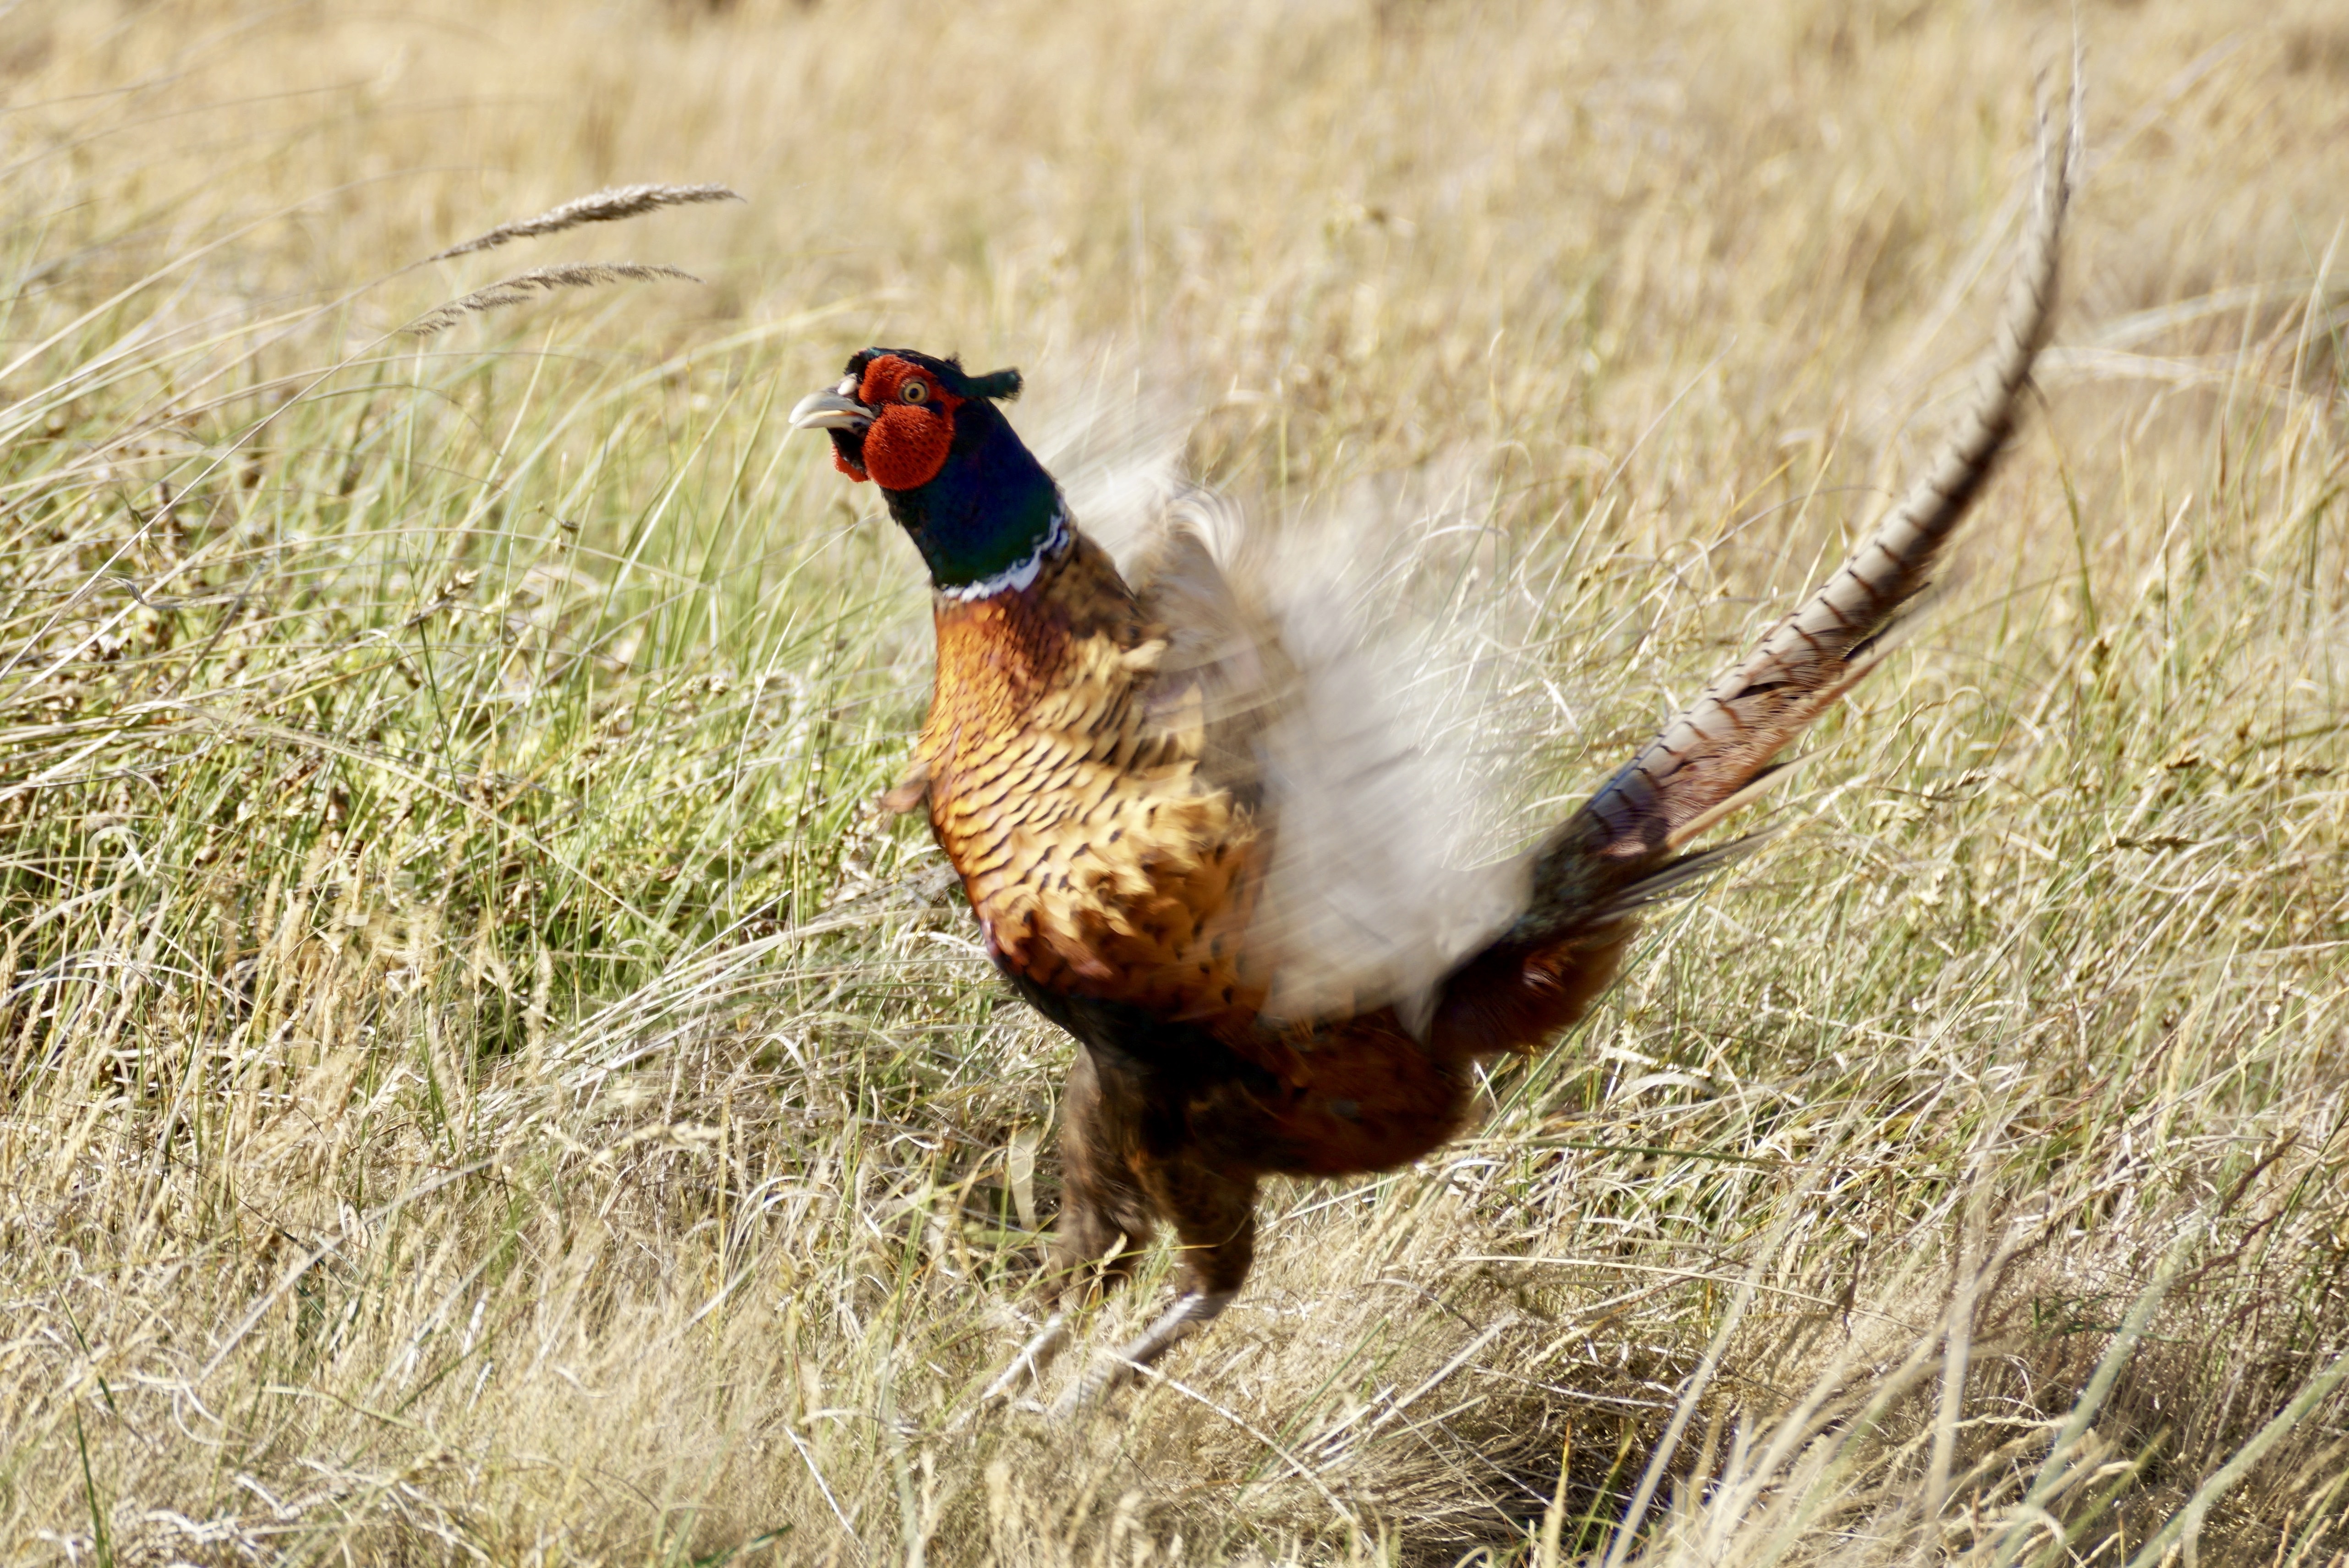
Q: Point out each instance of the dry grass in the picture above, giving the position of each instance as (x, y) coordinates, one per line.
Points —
(614, 205)
(540, 280)
(476, 1084)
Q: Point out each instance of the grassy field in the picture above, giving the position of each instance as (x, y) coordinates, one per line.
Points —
(480, 1084)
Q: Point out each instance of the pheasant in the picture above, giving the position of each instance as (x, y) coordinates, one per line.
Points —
(1094, 767)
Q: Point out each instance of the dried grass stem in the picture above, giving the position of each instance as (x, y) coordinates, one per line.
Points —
(606, 206)
(537, 281)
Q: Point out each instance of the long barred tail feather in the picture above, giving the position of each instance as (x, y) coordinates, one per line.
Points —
(1721, 744)
(1624, 848)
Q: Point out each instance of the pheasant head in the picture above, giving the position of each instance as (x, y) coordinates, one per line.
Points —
(957, 476)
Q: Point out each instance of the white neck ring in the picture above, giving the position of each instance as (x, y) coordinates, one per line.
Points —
(1011, 579)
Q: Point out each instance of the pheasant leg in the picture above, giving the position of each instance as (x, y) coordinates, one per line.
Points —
(1043, 1347)
(1215, 1220)
(1105, 1222)
(1106, 1217)
(1191, 1311)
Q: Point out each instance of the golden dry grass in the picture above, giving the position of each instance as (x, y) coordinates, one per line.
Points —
(476, 1085)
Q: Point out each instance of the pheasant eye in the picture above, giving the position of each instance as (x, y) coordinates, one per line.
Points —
(914, 392)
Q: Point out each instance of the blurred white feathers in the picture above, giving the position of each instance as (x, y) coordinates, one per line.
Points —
(1355, 726)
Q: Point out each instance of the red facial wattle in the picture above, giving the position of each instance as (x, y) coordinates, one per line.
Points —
(913, 424)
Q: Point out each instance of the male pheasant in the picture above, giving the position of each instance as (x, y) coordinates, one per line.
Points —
(1093, 768)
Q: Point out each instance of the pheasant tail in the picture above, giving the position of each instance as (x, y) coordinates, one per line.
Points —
(1623, 848)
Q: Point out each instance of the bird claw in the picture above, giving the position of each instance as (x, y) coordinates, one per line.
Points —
(1109, 1371)
(1191, 1311)
(1031, 1360)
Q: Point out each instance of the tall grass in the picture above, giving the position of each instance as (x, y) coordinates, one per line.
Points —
(478, 1082)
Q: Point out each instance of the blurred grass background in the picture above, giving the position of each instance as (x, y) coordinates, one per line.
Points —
(478, 1083)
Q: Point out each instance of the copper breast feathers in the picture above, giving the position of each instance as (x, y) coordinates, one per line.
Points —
(1066, 787)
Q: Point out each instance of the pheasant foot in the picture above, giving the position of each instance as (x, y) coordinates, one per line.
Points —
(1191, 1311)
(1029, 1364)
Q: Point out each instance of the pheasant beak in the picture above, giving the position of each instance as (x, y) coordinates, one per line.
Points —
(833, 411)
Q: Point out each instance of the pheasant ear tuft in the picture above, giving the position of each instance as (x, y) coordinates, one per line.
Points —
(1000, 386)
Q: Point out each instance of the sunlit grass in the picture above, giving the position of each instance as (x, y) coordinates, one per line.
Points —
(481, 1082)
